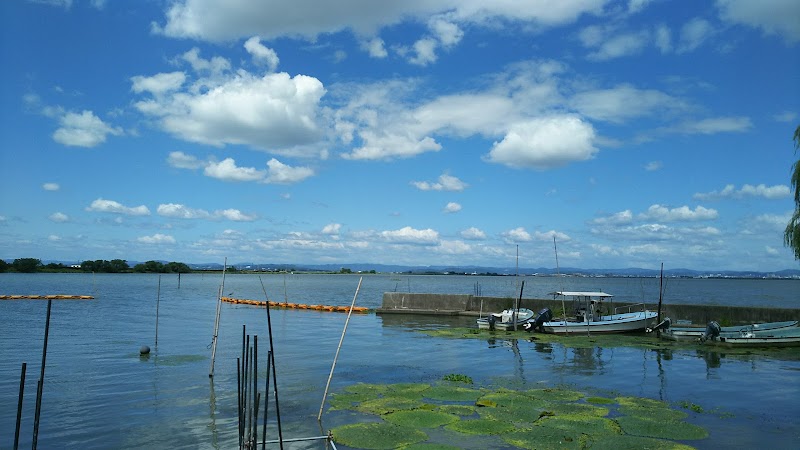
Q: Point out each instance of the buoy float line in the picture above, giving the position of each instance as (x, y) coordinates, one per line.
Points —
(239, 301)
(46, 297)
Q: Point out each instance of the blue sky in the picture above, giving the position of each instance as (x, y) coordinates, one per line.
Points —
(430, 132)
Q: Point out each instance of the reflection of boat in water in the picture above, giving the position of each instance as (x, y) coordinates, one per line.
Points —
(694, 333)
(589, 316)
(505, 320)
(788, 336)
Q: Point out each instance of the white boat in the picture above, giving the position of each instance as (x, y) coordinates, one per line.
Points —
(505, 320)
(694, 333)
(588, 310)
(778, 337)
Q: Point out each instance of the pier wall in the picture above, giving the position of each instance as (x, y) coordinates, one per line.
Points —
(470, 305)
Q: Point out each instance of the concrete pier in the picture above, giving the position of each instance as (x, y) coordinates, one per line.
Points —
(470, 305)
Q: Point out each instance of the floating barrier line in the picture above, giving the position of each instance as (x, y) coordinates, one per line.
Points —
(46, 297)
(240, 301)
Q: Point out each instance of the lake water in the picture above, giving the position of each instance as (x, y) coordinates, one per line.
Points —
(99, 393)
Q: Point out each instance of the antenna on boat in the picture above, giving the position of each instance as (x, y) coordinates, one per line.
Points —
(558, 274)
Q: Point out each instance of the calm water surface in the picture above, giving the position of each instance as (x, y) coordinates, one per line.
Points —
(99, 393)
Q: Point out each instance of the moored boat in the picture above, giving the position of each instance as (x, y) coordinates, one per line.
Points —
(694, 333)
(589, 317)
(505, 320)
(748, 337)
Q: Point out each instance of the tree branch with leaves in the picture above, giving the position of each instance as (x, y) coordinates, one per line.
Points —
(791, 237)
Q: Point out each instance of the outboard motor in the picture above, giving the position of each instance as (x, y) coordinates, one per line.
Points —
(545, 315)
(712, 331)
(663, 325)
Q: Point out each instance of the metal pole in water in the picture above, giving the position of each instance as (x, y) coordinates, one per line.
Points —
(158, 300)
(333, 366)
(272, 362)
(19, 405)
(41, 378)
(521, 287)
(266, 402)
(660, 293)
(239, 396)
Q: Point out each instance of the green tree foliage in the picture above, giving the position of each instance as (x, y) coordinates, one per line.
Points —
(101, 265)
(177, 267)
(792, 234)
(3, 266)
(26, 265)
(157, 267)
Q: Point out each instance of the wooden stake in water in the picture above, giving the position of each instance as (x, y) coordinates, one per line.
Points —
(333, 366)
(216, 320)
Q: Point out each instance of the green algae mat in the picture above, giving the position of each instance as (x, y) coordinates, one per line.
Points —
(438, 415)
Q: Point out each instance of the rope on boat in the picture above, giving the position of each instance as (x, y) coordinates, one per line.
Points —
(239, 301)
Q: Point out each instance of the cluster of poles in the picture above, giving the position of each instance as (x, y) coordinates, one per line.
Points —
(39, 387)
(249, 398)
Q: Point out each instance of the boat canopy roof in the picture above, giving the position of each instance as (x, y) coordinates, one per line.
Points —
(582, 294)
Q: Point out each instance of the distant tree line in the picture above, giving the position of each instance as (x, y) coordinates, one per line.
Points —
(32, 265)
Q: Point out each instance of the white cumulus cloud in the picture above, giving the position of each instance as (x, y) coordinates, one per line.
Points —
(110, 206)
(83, 130)
(452, 207)
(157, 238)
(59, 217)
(544, 143)
(445, 183)
(408, 235)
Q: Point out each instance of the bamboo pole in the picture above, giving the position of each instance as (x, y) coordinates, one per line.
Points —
(216, 320)
(333, 366)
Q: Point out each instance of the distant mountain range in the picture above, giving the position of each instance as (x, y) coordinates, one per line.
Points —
(481, 270)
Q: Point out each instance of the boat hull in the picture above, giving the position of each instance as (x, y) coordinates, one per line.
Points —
(504, 320)
(617, 323)
(780, 337)
(695, 333)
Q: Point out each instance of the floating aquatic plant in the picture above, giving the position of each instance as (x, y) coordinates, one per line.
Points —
(542, 437)
(480, 426)
(452, 393)
(533, 418)
(458, 410)
(653, 413)
(626, 442)
(458, 378)
(665, 429)
(386, 405)
(599, 400)
(556, 394)
(420, 418)
(377, 435)
(591, 425)
(426, 446)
